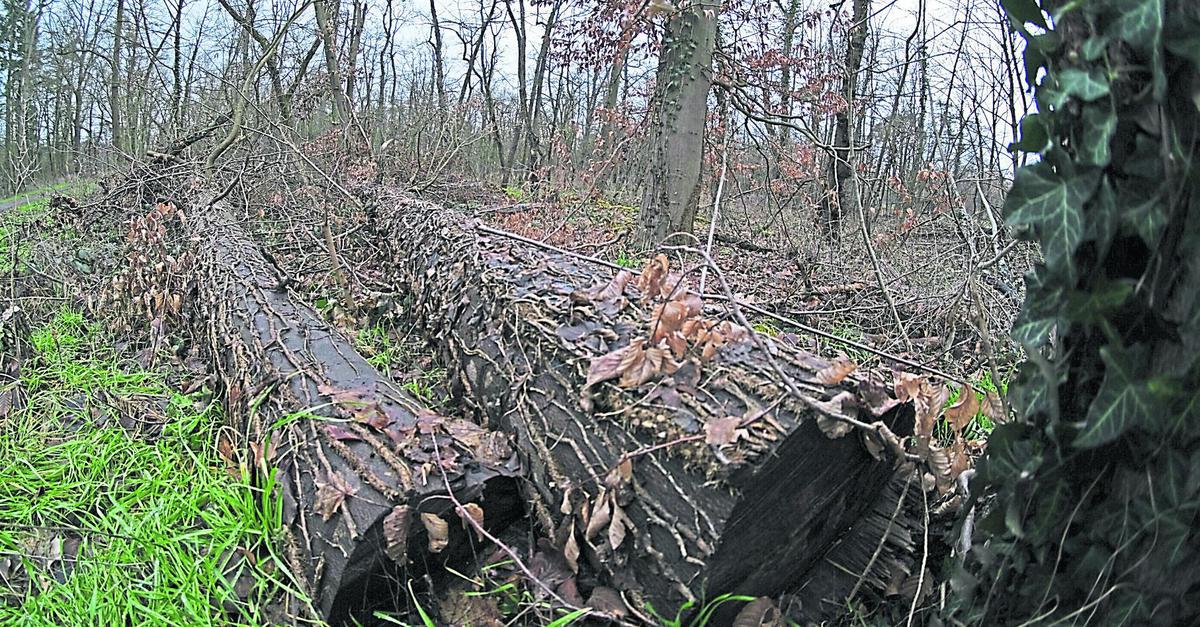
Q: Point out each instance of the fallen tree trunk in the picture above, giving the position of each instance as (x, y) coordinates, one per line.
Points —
(363, 468)
(666, 450)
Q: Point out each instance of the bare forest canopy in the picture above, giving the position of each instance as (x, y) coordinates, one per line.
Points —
(544, 90)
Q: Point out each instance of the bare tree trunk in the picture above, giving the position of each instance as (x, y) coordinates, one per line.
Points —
(177, 68)
(439, 69)
(840, 193)
(326, 32)
(357, 22)
(114, 94)
(680, 107)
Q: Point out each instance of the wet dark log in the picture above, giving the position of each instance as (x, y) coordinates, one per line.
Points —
(360, 462)
(680, 477)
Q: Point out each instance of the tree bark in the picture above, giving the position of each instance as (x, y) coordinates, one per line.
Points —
(328, 36)
(680, 107)
(623, 478)
(439, 70)
(329, 421)
(840, 193)
(114, 86)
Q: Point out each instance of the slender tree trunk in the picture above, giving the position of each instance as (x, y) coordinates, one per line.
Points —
(841, 193)
(439, 70)
(358, 20)
(177, 68)
(321, 9)
(680, 107)
(114, 94)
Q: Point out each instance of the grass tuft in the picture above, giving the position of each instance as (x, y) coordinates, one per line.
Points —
(101, 526)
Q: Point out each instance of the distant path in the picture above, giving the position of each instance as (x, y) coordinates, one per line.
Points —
(25, 197)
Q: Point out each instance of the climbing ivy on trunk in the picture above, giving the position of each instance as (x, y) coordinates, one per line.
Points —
(1096, 488)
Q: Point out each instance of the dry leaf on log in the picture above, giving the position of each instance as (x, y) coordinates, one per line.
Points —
(571, 552)
(607, 601)
(609, 298)
(723, 431)
(331, 493)
(836, 372)
(760, 612)
(475, 511)
(634, 364)
(616, 529)
(395, 534)
(833, 417)
(438, 530)
(651, 281)
(601, 516)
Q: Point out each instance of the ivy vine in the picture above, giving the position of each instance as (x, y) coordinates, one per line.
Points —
(1095, 491)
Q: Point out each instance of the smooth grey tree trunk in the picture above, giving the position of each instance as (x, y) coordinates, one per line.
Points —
(677, 136)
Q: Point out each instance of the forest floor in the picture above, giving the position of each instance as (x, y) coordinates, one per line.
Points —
(117, 505)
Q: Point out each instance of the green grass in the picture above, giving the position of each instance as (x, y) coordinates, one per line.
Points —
(854, 334)
(514, 192)
(72, 187)
(163, 531)
(375, 343)
(627, 260)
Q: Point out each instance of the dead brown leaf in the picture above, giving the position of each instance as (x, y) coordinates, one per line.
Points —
(395, 534)
(331, 493)
(667, 319)
(722, 431)
(833, 417)
(607, 601)
(760, 612)
(993, 407)
(836, 372)
(475, 511)
(651, 280)
(960, 414)
(571, 551)
(601, 516)
(438, 530)
(613, 290)
(608, 366)
(616, 529)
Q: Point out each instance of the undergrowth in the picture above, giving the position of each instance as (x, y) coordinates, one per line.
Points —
(101, 524)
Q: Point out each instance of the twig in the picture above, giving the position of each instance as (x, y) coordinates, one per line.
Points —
(924, 556)
(716, 211)
(887, 295)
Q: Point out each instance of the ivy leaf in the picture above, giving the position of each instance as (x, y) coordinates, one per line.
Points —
(1094, 47)
(1142, 211)
(1140, 24)
(1095, 305)
(1052, 206)
(1099, 124)
(1122, 401)
(1073, 82)
(1179, 37)
(1104, 218)
(1024, 11)
(1032, 331)
(1033, 135)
